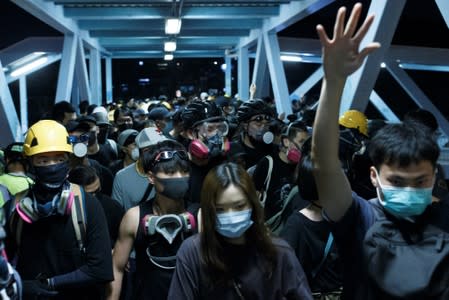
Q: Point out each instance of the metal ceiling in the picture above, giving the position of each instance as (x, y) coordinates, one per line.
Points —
(135, 28)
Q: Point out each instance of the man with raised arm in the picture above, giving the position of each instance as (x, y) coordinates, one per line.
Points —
(403, 172)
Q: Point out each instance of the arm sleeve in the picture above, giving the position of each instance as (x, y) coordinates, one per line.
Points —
(73, 279)
(98, 257)
(117, 190)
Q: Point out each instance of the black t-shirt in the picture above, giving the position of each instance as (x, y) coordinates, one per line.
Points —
(116, 166)
(281, 174)
(251, 156)
(49, 246)
(106, 178)
(105, 155)
(114, 213)
(308, 238)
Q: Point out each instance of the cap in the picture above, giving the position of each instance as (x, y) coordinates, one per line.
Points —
(148, 137)
(159, 113)
(126, 137)
(139, 112)
(77, 126)
(100, 109)
(87, 119)
(101, 118)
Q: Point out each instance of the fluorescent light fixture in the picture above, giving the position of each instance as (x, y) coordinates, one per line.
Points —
(383, 65)
(169, 46)
(168, 56)
(291, 58)
(223, 67)
(172, 26)
(28, 67)
(422, 67)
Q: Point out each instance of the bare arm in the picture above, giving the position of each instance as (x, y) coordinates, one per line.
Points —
(122, 248)
(341, 57)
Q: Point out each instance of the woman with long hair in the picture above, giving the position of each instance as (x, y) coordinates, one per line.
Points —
(234, 256)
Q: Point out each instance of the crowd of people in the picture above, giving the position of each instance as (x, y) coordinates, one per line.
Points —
(216, 198)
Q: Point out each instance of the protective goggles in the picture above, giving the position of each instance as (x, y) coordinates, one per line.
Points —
(167, 155)
(84, 138)
(209, 129)
(261, 118)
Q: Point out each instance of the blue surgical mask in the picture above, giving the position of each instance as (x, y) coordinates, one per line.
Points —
(404, 202)
(233, 224)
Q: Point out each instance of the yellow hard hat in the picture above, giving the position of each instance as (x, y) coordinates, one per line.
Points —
(46, 136)
(355, 119)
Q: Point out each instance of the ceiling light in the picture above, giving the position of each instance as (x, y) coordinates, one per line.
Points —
(170, 46)
(28, 67)
(168, 56)
(172, 26)
(291, 58)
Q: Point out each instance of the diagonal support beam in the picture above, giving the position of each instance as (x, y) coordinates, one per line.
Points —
(277, 73)
(82, 77)
(360, 84)
(260, 71)
(417, 94)
(443, 6)
(66, 69)
(10, 131)
(309, 83)
(383, 108)
(95, 76)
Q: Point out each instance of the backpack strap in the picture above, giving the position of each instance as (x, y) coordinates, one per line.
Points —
(267, 179)
(327, 249)
(78, 214)
(275, 220)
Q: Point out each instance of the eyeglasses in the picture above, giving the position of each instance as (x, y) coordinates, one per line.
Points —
(167, 155)
(208, 129)
(84, 138)
(261, 118)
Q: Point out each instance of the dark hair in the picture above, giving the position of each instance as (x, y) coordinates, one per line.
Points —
(82, 175)
(91, 108)
(166, 166)
(83, 106)
(292, 130)
(258, 236)
(423, 117)
(403, 144)
(306, 181)
(59, 109)
(123, 112)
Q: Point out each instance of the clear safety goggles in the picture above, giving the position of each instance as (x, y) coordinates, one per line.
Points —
(209, 129)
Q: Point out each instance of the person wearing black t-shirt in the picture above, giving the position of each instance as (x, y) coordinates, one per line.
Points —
(308, 234)
(155, 228)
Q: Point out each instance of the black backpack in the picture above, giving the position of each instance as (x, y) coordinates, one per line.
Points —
(407, 261)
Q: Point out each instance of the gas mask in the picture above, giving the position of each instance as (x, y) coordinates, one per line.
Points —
(80, 144)
(213, 141)
(169, 227)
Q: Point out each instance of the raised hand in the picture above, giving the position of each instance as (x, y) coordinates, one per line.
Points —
(341, 54)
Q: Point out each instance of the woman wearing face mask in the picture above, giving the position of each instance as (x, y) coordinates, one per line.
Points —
(234, 257)
(153, 227)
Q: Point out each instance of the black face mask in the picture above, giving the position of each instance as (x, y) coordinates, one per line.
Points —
(103, 135)
(52, 176)
(124, 126)
(92, 138)
(174, 188)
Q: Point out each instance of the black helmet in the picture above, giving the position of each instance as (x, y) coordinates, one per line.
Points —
(198, 112)
(251, 108)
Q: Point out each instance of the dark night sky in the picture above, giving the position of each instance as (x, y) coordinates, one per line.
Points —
(417, 21)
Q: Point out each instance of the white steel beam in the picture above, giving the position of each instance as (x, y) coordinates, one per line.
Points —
(383, 108)
(417, 94)
(95, 76)
(10, 131)
(260, 70)
(277, 73)
(66, 69)
(108, 69)
(309, 82)
(360, 84)
(82, 78)
(23, 103)
(243, 73)
(443, 6)
(228, 75)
